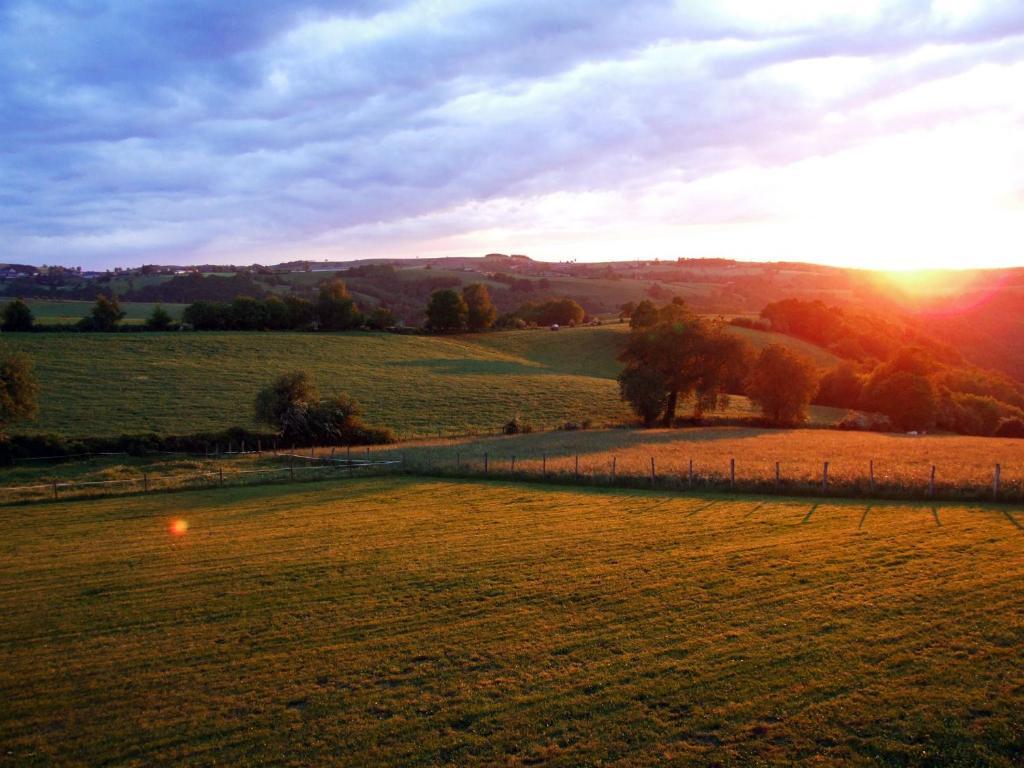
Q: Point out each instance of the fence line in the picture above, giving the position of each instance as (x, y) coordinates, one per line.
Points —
(573, 473)
(149, 482)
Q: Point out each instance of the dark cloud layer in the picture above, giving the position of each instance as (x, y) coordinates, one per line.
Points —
(137, 131)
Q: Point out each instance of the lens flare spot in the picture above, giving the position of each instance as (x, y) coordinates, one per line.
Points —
(179, 527)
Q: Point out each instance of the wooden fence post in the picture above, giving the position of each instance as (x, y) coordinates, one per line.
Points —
(458, 461)
(689, 476)
(259, 446)
(995, 483)
(54, 489)
(652, 470)
(544, 464)
(513, 468)
(243, 447)
(577, 466)
(221, 475)
(777, 476)
(732, 474)
(871, 476)
(613, 469)
(485, 463)
(824, 478)
(931, 482)
(145, 482)
(291, 467)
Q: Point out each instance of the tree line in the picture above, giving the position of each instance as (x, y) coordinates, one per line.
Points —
(333, 309)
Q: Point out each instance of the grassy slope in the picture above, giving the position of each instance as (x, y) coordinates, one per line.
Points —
(106, 384)
(403, 622)
(49, 312)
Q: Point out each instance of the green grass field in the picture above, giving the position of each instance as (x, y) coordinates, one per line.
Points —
(55, 312)
(410, 623)
(110, 384)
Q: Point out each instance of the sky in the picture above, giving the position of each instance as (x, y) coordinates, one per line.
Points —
(856, 133)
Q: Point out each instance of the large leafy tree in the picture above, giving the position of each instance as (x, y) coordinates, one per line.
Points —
(19, 390)
(480, 311)
(782, 383)
(688, 355)
(446, 311)
(335, 308)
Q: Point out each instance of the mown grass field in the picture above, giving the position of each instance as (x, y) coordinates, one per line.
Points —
(413, 622)
(56, 312)
(111, 384)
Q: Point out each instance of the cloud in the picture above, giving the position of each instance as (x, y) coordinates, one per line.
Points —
(156, 131)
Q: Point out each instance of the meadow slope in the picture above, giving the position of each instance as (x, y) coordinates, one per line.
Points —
(111, 384)
(411, 622)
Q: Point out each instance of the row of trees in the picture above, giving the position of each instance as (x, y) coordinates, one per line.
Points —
(333, 310)
(916, 392)
(450, 311)
(106, 315)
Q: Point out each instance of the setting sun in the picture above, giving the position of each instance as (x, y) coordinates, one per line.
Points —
(179, 527)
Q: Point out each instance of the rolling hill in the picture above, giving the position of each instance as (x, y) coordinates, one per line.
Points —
(111, 384)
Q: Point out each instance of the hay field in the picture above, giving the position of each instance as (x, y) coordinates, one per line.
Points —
(412, 622)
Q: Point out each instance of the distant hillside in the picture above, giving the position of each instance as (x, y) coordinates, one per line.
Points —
(980, 313)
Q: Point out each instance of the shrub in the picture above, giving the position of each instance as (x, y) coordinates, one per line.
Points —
(516, 427)
(291, 404)
(16, 316)
(159, 320)
(105, 315)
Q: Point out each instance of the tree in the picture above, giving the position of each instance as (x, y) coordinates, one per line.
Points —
(283, 403)
(644, 315)
(690, 355)
(335, 308)
(16, 316)
(105, 315)
(840, 387)
(645, 389)
(481, 313)
(291, 405)
(910, 400)
(159, 319)
(782, 383)
(19, 390)
(381, 318)
(446, 311)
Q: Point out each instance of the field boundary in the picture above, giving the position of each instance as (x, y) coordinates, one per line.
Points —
(305, 468)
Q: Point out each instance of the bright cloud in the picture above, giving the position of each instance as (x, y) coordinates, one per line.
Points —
(874, 134)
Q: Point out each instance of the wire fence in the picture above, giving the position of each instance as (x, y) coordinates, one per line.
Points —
(762, 478)
(308, 468)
